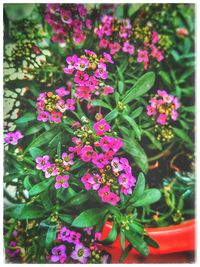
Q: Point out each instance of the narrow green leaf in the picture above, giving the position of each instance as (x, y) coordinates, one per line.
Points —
(120, 87)
(111, 236)
(185, 138)
(136, 113)
(36, 152)
(89, 217)
(133, 125)
(78, 199)
(125, 253)
(26, 118)
(66, 218)
(142, 86)
(139, 188)
(137, 242)
(100, 103)
(150, 241)
(51, 236)
(111, 115)
(122, 239)
(153, 139)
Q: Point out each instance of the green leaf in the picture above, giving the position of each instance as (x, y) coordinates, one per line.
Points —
(66, 218)
(122, 239)
(150, 241)
(89, 217)
(25, 211)
(36, 152)
(133, 125)
(132, 147)
(148, 197)
(133, 9)
(26, 118)
(44, 138)
(189, 109)
(111, 115)
(100, 103)
(185, 138)
(38, 188)
(136, 113)
(18, 11)
(165, 77)
(51, 236)
(153, 139)
(125, 253)
(78, 199)
(139, 188)
(142, 86)
(136, 227)
(120, 87)
(111, 236)
(33, 129)
(137, 242)
(27, 183)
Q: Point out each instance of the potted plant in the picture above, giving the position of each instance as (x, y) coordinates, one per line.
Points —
(91, 172)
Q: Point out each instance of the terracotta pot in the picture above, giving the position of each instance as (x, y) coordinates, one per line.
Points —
(171, 239)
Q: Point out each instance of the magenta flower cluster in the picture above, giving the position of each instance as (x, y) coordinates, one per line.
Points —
(163, 107)
(73, 247)
(69, 22)
(52, 106)
(58, 169)
(116, 35)
(13, 137)
(108, 175)
(89, 74)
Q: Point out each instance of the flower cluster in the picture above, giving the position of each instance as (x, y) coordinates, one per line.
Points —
(117, 35)
(59, 168)
(90, 73)
(13, 137)
(13, 249)
(163, 107)
(52, 106)
(107, 174)
(77, 247)
(67, 20)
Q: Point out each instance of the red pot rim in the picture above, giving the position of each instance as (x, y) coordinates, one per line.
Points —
(173, 238)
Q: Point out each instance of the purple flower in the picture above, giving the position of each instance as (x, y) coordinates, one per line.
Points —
(42, 162)
(100, 160)
(108, 57)
(63, 234)
(70, 104)
(72, 61)
(62, 91)
(95, 181)
(126, 165)
(85, 180)
(62, 181)
(74, 237)
(101, 71)
(101, 127)
(66, 16)
(13, 137)
(80, 253)
(128, 48)
(67, 159)
(58, 254)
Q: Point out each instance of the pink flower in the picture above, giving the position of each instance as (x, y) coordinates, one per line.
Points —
(100, 160)
(127, 23)
(81, 78)
(50, 170)
(162, 93)
(62, 91)
(114, 48)
(126, 166)
(104, 43)
(128, 48)
(104, 193)
(82, 64)
(42, 162)
(126, 180)
(116, 165)
(92, 83)
(61, 106)
(113, 198)
(72, 61)
(151, 111)
(80, 253)
(101, 127)
(157, 54)
(108, 57)
(66, 16)
(42, 96)
(87, 153)
(83, 92)
(74, 237)
(174, 115)
(109, 142)
(101, 71)
(176, 103)
(68, 71)
(70, 104)
(108, 90)
(67, 159)
(168, 99)
(85, 180)
(62, 181)
(155, 37)
(162, 119)
(58, 38)
(55, 116)
(142, 56)
(88, 24)
(95, 181)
